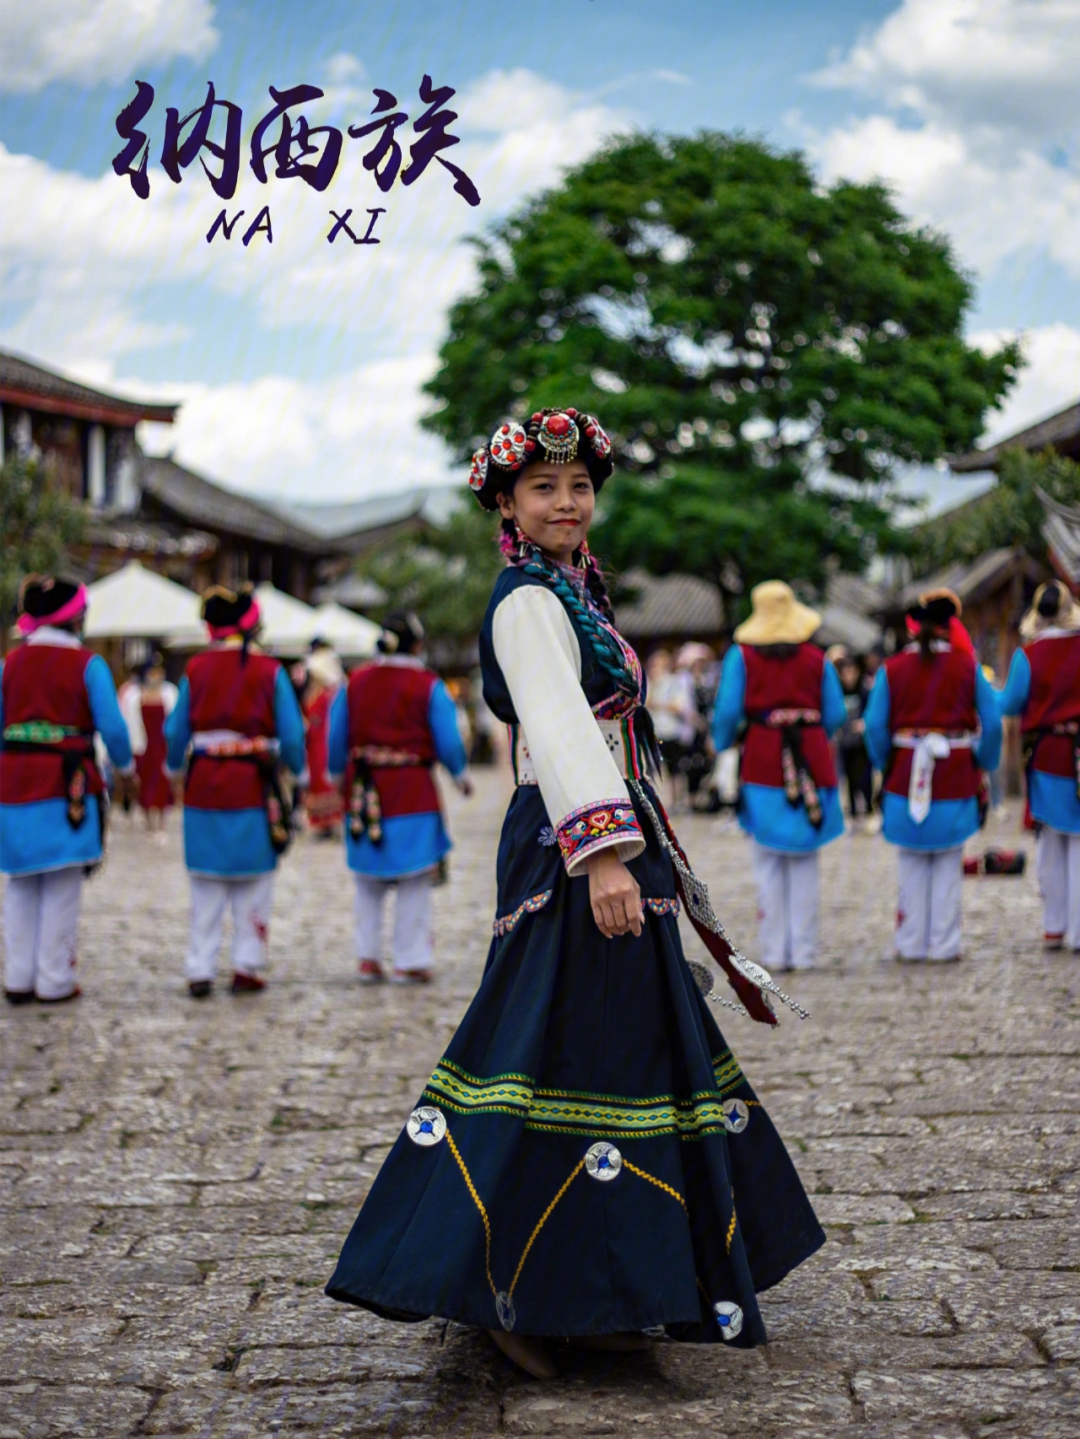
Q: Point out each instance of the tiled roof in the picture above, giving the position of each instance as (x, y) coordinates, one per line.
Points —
(24, 383)
(673, 606)
(1060, 432)
(200, 502)
(356, 524)
(976, 579)
(1061, 531)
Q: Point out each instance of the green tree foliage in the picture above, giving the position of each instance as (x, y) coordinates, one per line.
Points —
(445, 574)
(763, 350)
(1009, 514)
(37, 524)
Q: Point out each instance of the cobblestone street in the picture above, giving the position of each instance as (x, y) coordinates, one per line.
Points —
(177, 1178)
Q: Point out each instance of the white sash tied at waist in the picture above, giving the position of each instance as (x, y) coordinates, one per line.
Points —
(618, 734)
(927, 749)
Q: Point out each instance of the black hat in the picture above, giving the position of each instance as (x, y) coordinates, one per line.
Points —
(555, 435)
(936, 607)
(45, 600)
(228, 612)
(402, 630)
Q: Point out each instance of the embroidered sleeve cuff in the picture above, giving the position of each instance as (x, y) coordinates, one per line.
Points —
(586, 831)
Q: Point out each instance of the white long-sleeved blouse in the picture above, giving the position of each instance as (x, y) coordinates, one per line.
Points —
(585, 795)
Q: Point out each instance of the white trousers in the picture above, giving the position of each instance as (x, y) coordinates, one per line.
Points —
(413, 943)
(251, 901)
(928, 912)
(41, 921)
(789, 895)
(1057, 858)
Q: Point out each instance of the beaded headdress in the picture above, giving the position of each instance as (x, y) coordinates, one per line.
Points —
(556, 435)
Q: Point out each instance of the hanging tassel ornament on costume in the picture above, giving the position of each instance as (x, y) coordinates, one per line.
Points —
(750, 981)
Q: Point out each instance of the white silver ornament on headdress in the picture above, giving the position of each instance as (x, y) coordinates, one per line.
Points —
(558, 435)
(478, 471)
(508, 446)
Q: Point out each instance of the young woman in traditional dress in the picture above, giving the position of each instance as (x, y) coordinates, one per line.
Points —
(388, 728)
(323, 802)
(54, 696)
(146, 704)
(587, 1160)
(1043, 688)
(236, 721)
(788, 695)
(933, 727)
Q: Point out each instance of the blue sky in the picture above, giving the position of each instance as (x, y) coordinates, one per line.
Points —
(299, 363)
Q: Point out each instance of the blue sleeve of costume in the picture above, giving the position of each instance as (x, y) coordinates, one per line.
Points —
(178, 728)
(337, 748)
(833, 708)
(104, 706)
(289, 722)
(442, 717)
(1012, 699)
(877, 734)
(988, 750)
(728, 713)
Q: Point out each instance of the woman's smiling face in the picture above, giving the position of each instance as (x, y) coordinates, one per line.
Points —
(554, 506)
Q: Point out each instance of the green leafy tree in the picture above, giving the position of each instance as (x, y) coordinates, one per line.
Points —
(763, 350)
(445, 574)
(1009, 514)
(37, 525)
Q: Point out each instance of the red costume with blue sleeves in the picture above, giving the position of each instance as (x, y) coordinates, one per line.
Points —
(775, 691)
(230, 691)
(388, 722)
(938, 697)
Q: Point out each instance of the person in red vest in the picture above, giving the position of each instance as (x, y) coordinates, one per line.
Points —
(388, 727)
(322, 799)
(236, 719)
(932, 727)
(790, 697)
(146, 704)
(1043, 688)
(54, 695)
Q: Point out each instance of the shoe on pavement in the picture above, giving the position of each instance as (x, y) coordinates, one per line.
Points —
(1053, 941)
(371, 972)
(527, 1352)
(200, 988)
(19, 996)
(246, 983)
(411, 976)
(59, 998)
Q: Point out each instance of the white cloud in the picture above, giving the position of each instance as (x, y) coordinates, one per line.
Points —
(1049, 381)
(340, 438)
(984, 105)
(990, 207)
(81, 260)
(1005, 64)
(90, 41)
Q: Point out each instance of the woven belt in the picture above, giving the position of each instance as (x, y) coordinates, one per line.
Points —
(230, 744)
(618, 735)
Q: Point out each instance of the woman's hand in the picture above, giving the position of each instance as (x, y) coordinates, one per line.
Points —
(614, 895)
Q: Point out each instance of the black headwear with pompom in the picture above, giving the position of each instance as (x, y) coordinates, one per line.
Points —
(555, 435)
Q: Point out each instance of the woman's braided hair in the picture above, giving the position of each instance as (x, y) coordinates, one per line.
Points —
(525, 555)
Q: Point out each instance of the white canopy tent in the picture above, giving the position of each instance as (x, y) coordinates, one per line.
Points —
(352, 636)
(288, 625)
(137, 603)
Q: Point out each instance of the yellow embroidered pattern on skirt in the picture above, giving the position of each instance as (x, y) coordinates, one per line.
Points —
(601, 1115)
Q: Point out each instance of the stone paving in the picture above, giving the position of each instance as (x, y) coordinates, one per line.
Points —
(176, 1178)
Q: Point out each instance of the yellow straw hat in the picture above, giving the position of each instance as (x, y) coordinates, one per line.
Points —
(778, 618)
(1052, 607)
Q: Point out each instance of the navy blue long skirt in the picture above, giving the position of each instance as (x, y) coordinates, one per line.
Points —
(588, 1156)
